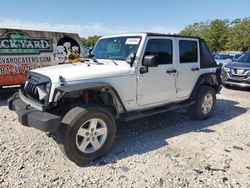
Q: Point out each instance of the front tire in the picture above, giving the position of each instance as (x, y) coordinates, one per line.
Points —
(86, 134)
(205, 103)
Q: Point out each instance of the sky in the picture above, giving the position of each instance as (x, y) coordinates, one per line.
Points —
(106, 17)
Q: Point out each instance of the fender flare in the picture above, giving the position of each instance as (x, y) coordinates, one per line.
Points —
(211, 79)
(92, 85)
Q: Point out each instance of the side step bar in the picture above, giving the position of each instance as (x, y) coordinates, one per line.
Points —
(141, 114)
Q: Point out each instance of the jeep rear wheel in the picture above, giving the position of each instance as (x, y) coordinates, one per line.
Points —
(86, 134)
(205, 103)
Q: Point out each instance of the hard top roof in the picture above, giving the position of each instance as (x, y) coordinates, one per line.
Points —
(151, 34)
(169, 35)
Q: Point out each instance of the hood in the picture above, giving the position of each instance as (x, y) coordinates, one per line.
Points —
(238, 65)
(81, 71)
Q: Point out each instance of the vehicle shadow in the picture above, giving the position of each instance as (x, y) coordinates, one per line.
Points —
(5, 93)
(148, 134)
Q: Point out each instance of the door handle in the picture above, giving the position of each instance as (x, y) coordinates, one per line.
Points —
(195, 69)
(171, 71)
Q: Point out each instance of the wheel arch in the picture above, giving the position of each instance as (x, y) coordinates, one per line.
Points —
(209, 79)
(60, 92)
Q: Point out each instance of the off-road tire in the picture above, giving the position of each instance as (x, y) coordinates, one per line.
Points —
(196, 109)
(72, 121)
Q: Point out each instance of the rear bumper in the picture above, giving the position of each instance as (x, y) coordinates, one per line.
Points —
(31, 117)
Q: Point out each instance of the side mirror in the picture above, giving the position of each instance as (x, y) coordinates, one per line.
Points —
(150, 61)
(131, 58)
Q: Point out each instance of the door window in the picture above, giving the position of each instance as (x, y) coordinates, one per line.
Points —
(163, 48)
(188, 51)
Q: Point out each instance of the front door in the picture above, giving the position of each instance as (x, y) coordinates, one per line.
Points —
(158, 84)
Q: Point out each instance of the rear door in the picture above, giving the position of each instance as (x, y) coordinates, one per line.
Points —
(188, 66)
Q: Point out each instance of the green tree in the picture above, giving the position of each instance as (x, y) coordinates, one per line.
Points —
(239, 35)
(195, 29)
(222, 34)
(215, 33)
(90, 41)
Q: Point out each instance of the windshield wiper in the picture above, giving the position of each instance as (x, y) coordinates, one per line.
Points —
(113, 61)
(92, 57)
(95, 60)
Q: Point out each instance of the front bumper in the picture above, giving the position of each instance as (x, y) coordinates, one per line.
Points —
(234, 80)
(31, 117)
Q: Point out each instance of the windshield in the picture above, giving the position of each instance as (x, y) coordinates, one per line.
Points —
(237, 56)
(223, 56)
(117, 48)
(245, 58)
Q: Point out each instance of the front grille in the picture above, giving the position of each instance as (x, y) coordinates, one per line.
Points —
(240, 72)
(32, 91)
(34, 82)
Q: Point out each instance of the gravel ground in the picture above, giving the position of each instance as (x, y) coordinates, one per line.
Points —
(167, 150)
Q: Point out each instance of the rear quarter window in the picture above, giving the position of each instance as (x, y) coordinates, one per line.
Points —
(207, 61)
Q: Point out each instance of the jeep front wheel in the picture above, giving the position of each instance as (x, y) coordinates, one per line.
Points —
(205, 103)
(86, 134)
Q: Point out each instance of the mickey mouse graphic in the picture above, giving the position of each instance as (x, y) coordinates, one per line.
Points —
(61, 55)
(68, 50)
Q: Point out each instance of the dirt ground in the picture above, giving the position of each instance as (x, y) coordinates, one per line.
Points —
(167, 150)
